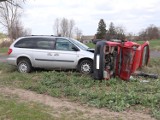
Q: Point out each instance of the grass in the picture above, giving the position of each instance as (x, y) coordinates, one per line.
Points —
(154, 44)
(115, 94)
(10, 109)
(90, 45)
(4, 50)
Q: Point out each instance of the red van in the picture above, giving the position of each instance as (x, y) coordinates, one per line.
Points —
(119, 58)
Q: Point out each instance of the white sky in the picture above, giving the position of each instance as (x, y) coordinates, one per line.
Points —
(133, 15)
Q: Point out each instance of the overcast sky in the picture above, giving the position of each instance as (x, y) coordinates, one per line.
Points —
(133, 15)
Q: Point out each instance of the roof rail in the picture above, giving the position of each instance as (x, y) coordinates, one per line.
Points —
(42, 35)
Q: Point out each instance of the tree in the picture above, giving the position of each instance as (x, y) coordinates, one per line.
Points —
(10, 1)
(18, 30)
(57, 26)
(111, 33)
(101, 31)
(2, 0)
(70, 28)
(115, 32)
(120, 34)
(151, 32)
(64, 27)
(78, 33)
(9, 15)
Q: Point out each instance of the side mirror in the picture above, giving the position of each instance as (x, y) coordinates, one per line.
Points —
(74, 48)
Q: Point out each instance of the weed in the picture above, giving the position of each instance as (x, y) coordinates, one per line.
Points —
(12, 110)
(114, 94)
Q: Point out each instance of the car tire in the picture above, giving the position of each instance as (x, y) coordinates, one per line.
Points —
(85, 67)
(24, 66)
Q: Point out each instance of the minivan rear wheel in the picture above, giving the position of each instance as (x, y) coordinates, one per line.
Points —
(85, 67)
(24, 66)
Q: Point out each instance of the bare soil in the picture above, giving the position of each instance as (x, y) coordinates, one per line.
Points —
(63, 105)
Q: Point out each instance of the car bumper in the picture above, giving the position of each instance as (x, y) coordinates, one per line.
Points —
(11, 61)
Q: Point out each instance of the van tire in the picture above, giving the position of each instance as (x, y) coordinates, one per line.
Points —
(85, 67)
(24, 66)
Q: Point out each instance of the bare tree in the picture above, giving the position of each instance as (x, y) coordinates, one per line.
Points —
(10, 1)
(2, 0)
(70, 28)
(78, 33)
(56, 26)
(9, 14)
(120, 32)
(150, 33)
(18, 30)
(64, 27)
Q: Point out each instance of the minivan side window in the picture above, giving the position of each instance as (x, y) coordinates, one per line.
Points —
(63, 44)
(25, 43)
(45, 44)
(36, 43)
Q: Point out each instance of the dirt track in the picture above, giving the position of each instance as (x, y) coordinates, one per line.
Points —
(155, 54)
(62, 104)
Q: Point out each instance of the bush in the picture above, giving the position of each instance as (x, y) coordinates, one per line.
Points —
(5, 44)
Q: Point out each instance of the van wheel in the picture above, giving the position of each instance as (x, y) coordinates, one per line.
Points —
(85, 67)
(24, 66)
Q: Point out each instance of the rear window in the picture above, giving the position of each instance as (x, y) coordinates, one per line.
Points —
(36, 43)
(25, 43)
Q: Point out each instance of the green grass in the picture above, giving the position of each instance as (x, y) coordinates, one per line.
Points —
(4, 50)
(90, 45)
(114, 94)
(154, 44)
(10, 109)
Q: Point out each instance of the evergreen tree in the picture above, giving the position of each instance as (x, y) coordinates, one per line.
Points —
(115, 32)
(101, 31)
(111, 33)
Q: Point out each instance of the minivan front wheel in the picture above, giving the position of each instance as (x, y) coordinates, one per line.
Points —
(85, 66)
(24, 66)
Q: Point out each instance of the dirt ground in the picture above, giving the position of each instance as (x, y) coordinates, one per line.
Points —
(71, 107)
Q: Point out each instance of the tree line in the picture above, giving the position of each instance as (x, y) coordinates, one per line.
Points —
(150, 33)
(113, 32)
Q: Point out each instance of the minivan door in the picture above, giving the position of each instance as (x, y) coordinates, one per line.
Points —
(64, 54)
(43, 53)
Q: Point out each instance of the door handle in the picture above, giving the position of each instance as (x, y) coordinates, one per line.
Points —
(49, 54)
(56, 54)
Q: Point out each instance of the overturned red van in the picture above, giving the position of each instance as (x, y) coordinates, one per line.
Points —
(119, 58)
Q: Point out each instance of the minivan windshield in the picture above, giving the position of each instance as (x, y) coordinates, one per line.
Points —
(79, 44)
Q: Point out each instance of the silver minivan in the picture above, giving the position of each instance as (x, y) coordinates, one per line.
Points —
(50, 52)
